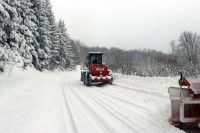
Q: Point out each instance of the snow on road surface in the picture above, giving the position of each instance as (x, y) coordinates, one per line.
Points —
(58, 102)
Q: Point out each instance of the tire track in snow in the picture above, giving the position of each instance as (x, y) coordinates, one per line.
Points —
(94, 113)
(157, 94)
(127, 91)
(116, 114)
(86, 114)
(126, 96)
(111, 91)
(67, 111)
(125, 116)
(122, 100)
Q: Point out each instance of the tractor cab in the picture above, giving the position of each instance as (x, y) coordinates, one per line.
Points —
(94, 58)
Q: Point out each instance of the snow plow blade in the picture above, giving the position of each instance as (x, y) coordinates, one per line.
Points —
(185, 102)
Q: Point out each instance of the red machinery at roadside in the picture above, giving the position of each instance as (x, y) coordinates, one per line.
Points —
(93, 70)
(185, 102)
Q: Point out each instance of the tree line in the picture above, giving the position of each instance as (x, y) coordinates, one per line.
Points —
(184, 56)
(135, 62)
(30, 36)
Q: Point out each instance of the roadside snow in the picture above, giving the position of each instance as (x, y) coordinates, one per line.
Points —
(30, 102)
(57, 102)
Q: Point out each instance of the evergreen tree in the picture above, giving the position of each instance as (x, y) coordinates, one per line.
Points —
(75, 51)
(64, 41)
(4, 19)
(9, 33)
(42, 38)
(71, 52)
(27, 27)
(55, 60)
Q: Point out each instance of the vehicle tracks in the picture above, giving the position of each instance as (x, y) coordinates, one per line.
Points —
(68, 113)
(112, 113)
(94, 114)
(122, 100)
(131, 119)
(157, 94)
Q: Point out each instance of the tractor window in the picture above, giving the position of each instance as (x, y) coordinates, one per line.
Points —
(96, 58)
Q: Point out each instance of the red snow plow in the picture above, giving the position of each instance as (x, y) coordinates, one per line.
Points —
(93, 70)
(185, 102)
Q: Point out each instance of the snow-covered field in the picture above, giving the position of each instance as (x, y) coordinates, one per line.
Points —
(58, 102)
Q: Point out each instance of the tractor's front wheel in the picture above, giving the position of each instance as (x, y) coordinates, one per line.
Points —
(110, 82)
(82, 78)
(87, 80)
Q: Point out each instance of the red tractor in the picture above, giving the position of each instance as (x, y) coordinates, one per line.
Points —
(93, 70)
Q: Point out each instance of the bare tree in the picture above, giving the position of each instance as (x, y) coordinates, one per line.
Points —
(187, 52)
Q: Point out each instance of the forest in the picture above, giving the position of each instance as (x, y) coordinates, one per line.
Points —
(31, 37)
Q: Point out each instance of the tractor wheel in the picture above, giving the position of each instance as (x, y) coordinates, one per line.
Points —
(87, 80)
(84, 79)
(81, 76)
(110, 82)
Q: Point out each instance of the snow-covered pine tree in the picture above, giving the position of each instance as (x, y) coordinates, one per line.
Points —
(74, 52)
(64, 40)
(27, 26)
(43, 39)
(55, 60)
(9, 33)
(4, 18)
(70, 49)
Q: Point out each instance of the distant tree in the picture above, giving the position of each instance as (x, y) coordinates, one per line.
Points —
(190, 44)
(84, 50)
(74, 50)
(187, 52)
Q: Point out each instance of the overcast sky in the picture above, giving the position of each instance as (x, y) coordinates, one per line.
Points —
(128, 24)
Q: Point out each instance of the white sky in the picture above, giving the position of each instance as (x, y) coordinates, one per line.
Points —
(128, 24)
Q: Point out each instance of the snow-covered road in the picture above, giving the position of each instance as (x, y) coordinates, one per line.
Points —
(57, 102)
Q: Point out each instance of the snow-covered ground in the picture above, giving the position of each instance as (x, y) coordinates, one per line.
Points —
(58, 102)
